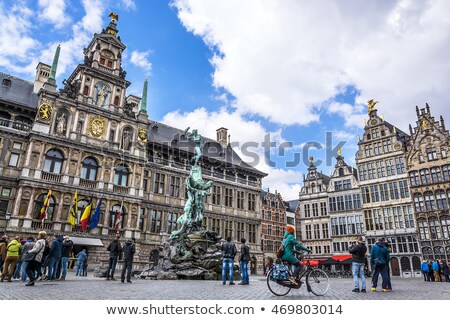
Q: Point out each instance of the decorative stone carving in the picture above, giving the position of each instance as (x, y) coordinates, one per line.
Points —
(45, 111)
(61, 124)
(128, 110)
(72, 89)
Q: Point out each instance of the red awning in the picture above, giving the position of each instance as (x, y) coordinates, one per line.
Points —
(342, 258)
(312, 262)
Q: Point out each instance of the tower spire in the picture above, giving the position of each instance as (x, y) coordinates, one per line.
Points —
(51, 80)
(144, 97)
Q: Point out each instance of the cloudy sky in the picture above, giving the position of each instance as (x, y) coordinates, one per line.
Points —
(299, 71)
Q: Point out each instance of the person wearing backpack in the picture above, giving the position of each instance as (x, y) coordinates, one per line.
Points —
(229, 252)
(290, 245)
(38, 251)
(379, 258)
(424, 268)
(243, 260)
(12, 256)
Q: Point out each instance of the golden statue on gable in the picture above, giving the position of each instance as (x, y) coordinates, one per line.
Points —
(371, 104)
(114, 17)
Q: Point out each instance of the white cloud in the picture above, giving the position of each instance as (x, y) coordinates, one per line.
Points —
(241, 130)
(140, 59)
(128, 4)
(284, 60)
(15, 34)
(53, 11)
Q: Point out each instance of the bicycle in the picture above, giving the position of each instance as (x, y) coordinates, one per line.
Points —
(316, 280)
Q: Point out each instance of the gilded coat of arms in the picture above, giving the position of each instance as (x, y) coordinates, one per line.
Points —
(45, 111)
(97, 126)
(142, 135)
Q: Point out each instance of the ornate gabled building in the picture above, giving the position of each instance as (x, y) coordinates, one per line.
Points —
(93, 138)
(314, 215)
(428, 168)
(273, 223)
(344, 206)
(386, 200)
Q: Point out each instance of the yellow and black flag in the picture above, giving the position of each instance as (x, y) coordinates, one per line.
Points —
(74, 209)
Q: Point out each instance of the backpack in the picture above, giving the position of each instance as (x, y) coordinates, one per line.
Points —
(280, 251)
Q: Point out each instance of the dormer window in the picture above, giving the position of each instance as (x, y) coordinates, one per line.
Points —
(107, 58)
(6, 82)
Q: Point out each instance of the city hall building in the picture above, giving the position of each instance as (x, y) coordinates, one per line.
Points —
(93, 138)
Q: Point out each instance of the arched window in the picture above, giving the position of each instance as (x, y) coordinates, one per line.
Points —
(439, 253)
(423, 229)
(427, 253)
(113, 216)
(86, 90)
(418, 202)
(121, 175)
(441, 200)
(89, 169)
(116, 100)
(445, 223)
(430, 205)
(435, 229)
(445, 172)
(82, 204)
(53, 161)
(414, 177)
(416, 263)
(425, 176)
(39, 204)
(341, 172)
(405, 263)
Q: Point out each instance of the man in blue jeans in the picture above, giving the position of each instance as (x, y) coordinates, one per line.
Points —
(243, 260)
(66, 250)
(54, 256)
(358, 252)
(229, 252)
(81, 257)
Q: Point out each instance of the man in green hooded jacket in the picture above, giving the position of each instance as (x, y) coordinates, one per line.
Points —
(290, 248)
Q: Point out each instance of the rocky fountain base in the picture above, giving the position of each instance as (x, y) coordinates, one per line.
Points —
(194, 256)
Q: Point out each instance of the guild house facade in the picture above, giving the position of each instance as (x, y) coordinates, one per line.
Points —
(94, 139)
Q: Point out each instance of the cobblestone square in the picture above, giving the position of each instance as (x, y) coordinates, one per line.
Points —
(99, 289)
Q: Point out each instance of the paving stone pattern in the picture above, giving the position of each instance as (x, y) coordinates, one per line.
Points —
(98, 288)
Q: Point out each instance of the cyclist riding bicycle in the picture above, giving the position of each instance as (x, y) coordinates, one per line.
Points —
(290, 246)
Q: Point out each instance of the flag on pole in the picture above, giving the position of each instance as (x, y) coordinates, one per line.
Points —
(74, 209)
(86, 215)
(117, 222)
(96, 216)
(44, 208)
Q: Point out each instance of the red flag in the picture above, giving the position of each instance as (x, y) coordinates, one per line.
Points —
(44, 209)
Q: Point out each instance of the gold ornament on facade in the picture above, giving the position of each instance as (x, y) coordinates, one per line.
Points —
(45, 111)
(425, 124)
(142, 135)
(371, 103)
(97, 126)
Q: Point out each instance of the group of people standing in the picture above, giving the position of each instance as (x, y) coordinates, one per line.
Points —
(115, 251)
(435, 270)
(379, 260)
(229, 252)
(37, 258)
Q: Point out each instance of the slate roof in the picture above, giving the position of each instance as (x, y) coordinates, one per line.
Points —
(160, 133)
(273, 197)
(19, 92)
(292, 205)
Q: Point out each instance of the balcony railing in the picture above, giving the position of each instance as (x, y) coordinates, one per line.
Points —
(88, 183)
(35, 225)
(49, 176)
(18, 125)
(104, 69)
(121, 189)
(112, 232)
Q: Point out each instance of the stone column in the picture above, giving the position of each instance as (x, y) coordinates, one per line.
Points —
(59, 209)
(129, 218)
(14, 220)
(106, 217)
(31, 205)
(41, 157)
(28, 156)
